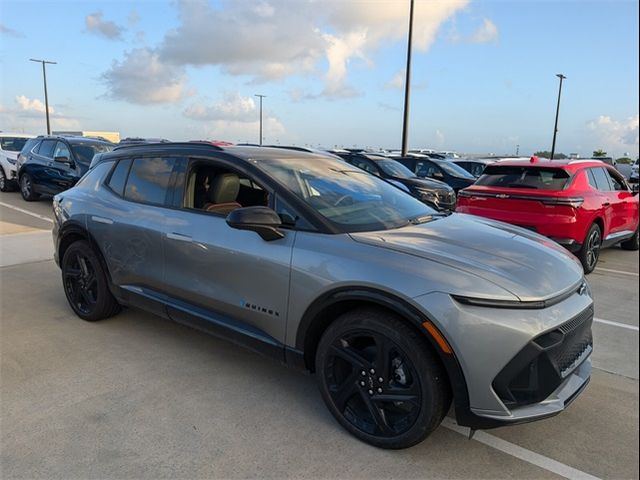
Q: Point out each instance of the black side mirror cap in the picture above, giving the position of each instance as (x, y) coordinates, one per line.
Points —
(262, 220)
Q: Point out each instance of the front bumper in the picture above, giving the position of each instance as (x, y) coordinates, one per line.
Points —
(489, 341)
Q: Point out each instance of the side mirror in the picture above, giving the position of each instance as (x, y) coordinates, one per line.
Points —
(635, 188)
(437, 175)
(66, 160)
(262, 220)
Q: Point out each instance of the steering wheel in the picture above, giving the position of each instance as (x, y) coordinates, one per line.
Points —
(342, 199)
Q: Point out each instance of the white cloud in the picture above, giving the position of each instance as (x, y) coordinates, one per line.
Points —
(32, 105)
(233, 107)
(615, 136)
(28, 115)
(234, 118)
(107, 28)
(273, 39)
(142, 78)
(397, 81)
(486, 33)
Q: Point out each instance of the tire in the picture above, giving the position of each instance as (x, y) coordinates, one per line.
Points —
(590, 250)
(632, 243)
(359, 389)
(5, 185)
(26, 188)
(85, 283)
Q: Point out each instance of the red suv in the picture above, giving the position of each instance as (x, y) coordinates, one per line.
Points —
(584, 205)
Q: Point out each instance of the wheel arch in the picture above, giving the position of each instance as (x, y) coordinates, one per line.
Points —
(324, 310)
(73, 232)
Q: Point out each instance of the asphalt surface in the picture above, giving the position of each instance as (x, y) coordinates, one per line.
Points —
(136, 396)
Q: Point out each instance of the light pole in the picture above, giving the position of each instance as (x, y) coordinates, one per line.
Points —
(260, 97)
(555, 128)
(46, 97)
(407, 86)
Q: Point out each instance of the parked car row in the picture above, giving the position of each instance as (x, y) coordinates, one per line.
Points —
(400, 310)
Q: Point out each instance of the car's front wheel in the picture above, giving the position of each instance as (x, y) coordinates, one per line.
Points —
(590, 251)
(26, 188)
(85, 283)
(380, 379)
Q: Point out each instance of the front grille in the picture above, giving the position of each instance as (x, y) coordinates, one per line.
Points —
(539, 368)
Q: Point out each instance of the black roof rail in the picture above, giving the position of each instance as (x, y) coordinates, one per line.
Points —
(166, 144)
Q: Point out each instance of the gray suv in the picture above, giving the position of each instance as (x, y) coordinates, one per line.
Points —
(398, 309)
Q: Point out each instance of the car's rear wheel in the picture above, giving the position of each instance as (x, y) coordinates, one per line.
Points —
(380, 379)
(85, 283)
(26, 188)
(4, 183)
(632, 243)
(590, 251)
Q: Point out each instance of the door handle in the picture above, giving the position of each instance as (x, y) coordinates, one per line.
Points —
(106, 221)
(179, 237)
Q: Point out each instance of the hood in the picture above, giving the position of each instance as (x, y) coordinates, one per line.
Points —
(425, 183)
(528, 265)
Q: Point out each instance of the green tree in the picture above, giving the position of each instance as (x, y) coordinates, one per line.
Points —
(547, 154)
(624, 160)
(599, 153)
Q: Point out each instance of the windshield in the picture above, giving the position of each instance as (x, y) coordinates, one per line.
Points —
(84, 151)
(13, 144)
(395, 169)
(351, 199)
(455, 170)
(524, 177)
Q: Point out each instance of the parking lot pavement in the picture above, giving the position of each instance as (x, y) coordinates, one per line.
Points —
(138, 396)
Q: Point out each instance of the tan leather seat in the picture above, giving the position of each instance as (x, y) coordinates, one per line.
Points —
(223, 193)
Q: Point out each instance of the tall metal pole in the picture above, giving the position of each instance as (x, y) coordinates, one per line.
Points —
(46, 96)
(260, 97)
(555, 128)
(407, 85)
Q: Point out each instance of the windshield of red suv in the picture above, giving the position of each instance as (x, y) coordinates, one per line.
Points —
(540, 178)
(349, 198)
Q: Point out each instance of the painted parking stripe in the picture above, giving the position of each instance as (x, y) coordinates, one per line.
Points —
(616, 324)
(519, 452)
(22, 210)
(621, 272)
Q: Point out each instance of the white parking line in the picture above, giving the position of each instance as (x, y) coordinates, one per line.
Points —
(616, 324)
(519, 452)
(621, 272)
(22, 210)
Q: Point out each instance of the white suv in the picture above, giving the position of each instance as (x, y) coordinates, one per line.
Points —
(10, 146)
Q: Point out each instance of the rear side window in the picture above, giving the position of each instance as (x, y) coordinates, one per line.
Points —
(539, 178)
(47, 147)
(149, 179)
(600, 178)
(30, 145)
(119, 176)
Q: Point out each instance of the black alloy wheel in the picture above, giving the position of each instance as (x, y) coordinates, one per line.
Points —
(380, 379)
(26, 188)
(590, 251)
(4, 184)
(85, 283)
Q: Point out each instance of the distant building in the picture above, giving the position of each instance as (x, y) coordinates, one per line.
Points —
(574, 156)
(111, 136)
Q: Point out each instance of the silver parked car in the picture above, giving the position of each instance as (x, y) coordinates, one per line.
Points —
(398, 309)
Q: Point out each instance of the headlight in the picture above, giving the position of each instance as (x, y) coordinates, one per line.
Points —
(11, 161)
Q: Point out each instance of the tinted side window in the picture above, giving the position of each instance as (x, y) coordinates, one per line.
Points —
(364, 165)
(148, 180)
(46, 148)
(61, 150)
(602, 179)
(119, 176)
(617, 183)
(426, 169)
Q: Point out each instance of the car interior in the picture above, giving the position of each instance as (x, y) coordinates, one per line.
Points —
(220, 191)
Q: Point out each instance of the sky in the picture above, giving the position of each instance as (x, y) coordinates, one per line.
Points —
(483, 72)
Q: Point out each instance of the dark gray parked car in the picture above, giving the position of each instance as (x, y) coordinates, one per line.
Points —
(398, 309)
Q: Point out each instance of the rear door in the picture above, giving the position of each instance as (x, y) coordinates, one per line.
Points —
(600, 179)
(127, 223)
(62, 174)
(39, 167)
